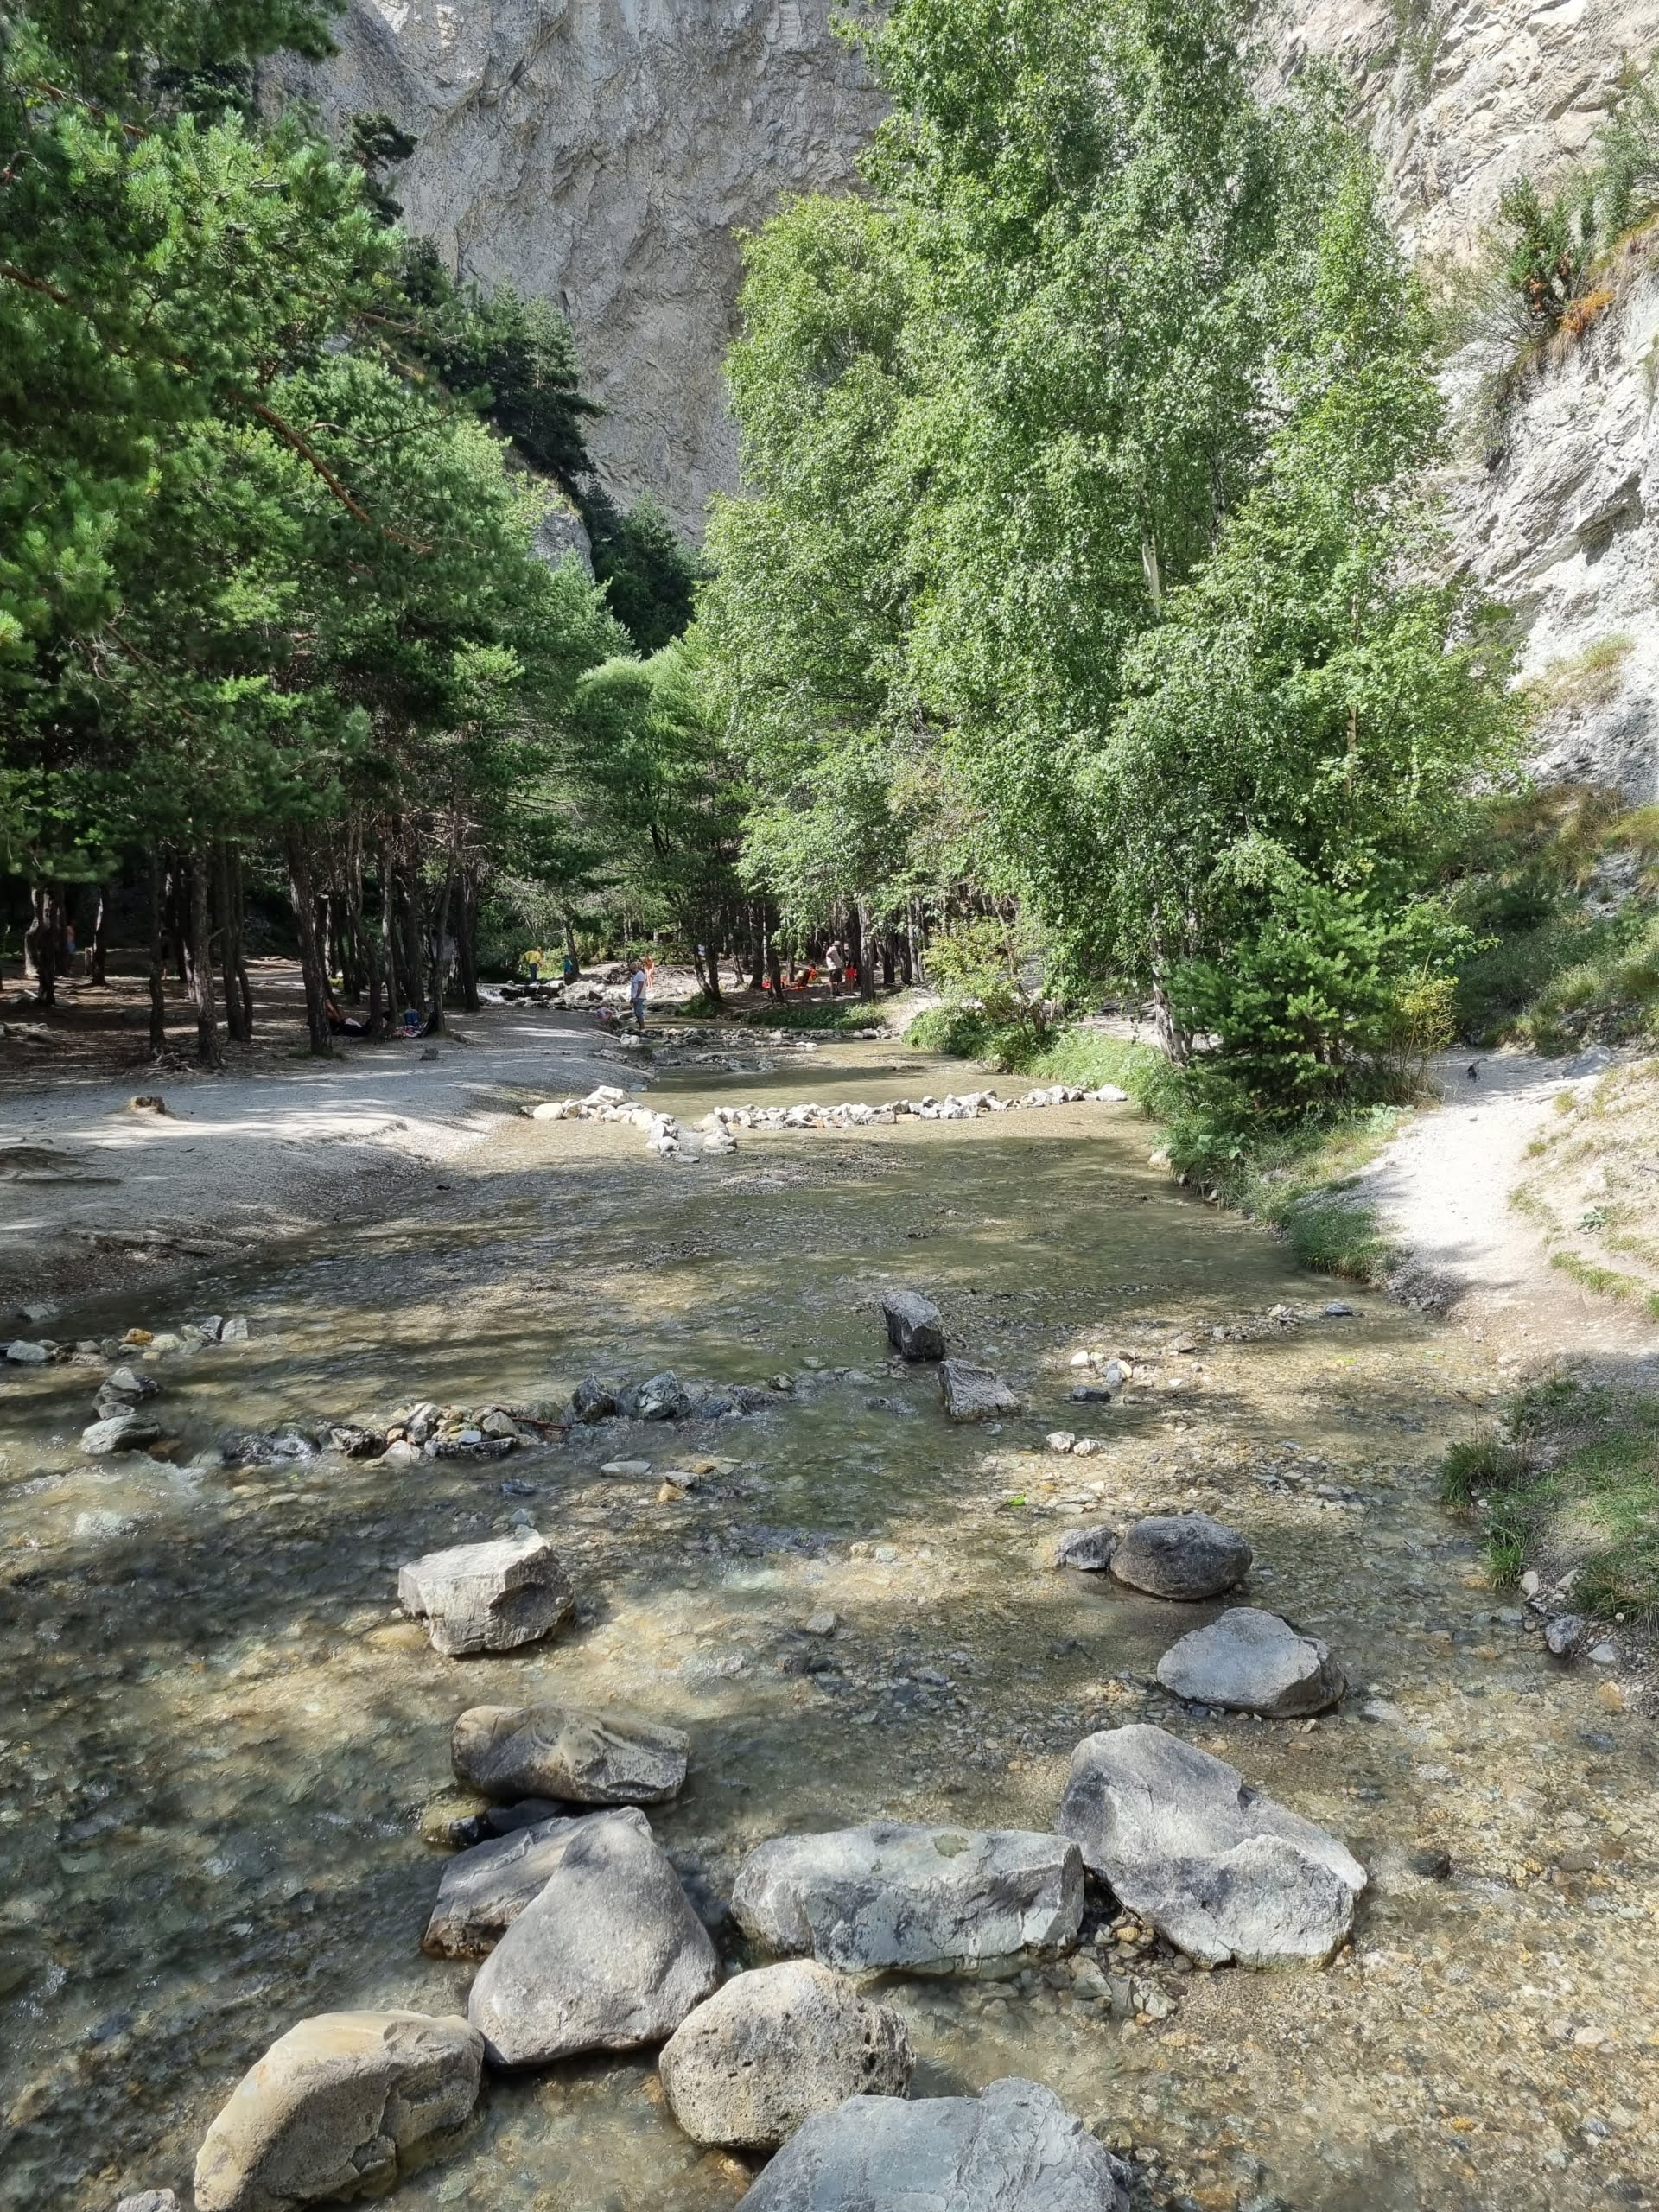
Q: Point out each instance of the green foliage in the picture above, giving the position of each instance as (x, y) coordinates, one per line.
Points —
(1080, 559)
(1579, 1492)
(1475, 1467)
(650, 573)
(989, 969)
(820, 1016)
(1553, 243)
(1550, 962)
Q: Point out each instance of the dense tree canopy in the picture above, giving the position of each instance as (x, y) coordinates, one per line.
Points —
(1079, 459)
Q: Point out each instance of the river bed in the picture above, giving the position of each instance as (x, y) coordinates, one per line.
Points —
(220, 1736)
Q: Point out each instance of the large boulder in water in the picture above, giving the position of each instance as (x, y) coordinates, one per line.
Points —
(1185, 1555)
(609, 1957)
(1014, 2148)
(774, 2046)
(915, 1326)
(508, 1751)
(894, 1895)
(973, 1392)
(1220, 1870)
(489, 1597)
(483, 1890)
(335, 2107)
(1252, 1661)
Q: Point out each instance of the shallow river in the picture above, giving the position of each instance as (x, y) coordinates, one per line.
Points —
(218, 1738)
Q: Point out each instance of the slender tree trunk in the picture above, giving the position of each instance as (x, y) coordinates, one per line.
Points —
(758, 935)
(441, 930)
(867, 954)
(202, 964)
(41, 944)
(311, 968)
(228, 879)
(466, 941)
(1173, 1040)
(98, 951)
(774, 972)
(712, 963)
(906, 971)
(178, 925)
(157, 959)
(886, 960)
(570, 941)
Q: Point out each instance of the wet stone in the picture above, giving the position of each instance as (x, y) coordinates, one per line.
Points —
(915, 1326)
(1221, 1870)
(609, 1957)
(776, 2045)
(335, 2105)
(509, 1751)
(1253, 1661)
(891, 1894)
(124, 1431)
(1088, 1550)
(149, 2200)
(972, 1393)
(1014, 2148)
(487, 1597)
(483, 1890)
(1181, 1555)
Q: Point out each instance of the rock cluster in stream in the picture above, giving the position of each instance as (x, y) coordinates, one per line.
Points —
(713, 1136)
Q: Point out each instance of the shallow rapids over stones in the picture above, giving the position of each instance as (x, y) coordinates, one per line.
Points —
(220, 1735)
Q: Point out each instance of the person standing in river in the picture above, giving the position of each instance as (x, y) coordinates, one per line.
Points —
(637, 988)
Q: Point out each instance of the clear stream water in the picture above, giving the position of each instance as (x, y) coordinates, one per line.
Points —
(218, 1736)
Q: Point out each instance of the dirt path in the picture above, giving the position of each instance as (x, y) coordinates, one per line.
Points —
(1444, 1189)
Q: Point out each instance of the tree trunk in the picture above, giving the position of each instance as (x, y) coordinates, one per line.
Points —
(228, 875)
(712, 963)
(311, 967)
(866, 979)
(1173, 1040)
(441, 931)
(886, 960)
(466, 941)
(906, 969)
(202, 965)
(41, 944)
(157, 960)
(570, 943)
(758, 934)
(98, 951)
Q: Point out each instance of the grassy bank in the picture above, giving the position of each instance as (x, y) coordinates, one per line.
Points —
(1568, 1486)
(827, 1016)
(1297, 1177)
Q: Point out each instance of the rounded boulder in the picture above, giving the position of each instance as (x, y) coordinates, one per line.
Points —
(775, 2046)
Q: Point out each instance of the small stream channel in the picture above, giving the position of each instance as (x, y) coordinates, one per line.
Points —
(218, 1736)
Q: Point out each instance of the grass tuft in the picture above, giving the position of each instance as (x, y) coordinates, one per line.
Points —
(1478, 1466)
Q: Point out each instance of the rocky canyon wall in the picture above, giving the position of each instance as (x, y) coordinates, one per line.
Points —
(1554, 502)
(606, 153)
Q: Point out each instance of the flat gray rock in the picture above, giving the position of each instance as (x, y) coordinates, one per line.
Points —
(508, 1751)
(1185, 1555)
(122, 1432)
(1252, 1661)
(973, 1392)
(610, 1955)
(894, 1895)
(1090, 1550)
(489, 1597)
(1220, 1870)
(483, 1890)
(335, 2105)
(915, 1326)
(1014, 2148)
(149, 2200)
(772, 2047)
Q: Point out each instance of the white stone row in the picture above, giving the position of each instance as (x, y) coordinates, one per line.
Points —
(664, 1136)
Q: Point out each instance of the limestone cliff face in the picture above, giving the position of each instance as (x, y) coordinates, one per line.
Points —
(1555, 504)
(606, 154)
